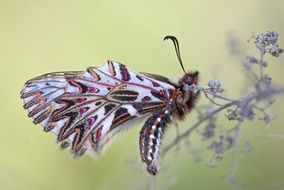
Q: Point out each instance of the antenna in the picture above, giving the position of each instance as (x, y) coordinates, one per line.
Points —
(175, 41)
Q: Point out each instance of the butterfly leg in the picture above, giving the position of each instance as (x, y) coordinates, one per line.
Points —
(177, 129)
(150, 139)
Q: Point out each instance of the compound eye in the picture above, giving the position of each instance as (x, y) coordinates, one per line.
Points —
(189, 80)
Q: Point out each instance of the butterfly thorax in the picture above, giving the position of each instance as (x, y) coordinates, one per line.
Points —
(185, 96)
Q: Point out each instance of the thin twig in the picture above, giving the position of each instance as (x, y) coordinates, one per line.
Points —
(257, 96)
(188, 131)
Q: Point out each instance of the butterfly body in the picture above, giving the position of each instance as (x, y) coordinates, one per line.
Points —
(86, 109)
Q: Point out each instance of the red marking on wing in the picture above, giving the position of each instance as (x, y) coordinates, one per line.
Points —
(146, 99)
(93, 90)
(98, 134)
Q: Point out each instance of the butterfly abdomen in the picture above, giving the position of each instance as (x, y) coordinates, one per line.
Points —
(150, 139)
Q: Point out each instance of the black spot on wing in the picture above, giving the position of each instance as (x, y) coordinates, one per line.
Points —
(98, 103)
(109, 107)
(124, 95)
(158, 95)
(155, 84)
(139, 78)
(64, 144)
(122, 119)
(120, 112)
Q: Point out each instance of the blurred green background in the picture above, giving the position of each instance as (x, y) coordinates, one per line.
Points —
(38, 36)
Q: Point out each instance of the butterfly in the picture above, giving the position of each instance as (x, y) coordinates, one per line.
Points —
(86, 109)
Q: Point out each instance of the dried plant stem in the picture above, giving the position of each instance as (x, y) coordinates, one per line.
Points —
(257, 96)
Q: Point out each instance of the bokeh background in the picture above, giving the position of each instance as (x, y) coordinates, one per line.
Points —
(38, 36)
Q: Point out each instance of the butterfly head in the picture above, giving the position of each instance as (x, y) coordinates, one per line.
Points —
(189, 78)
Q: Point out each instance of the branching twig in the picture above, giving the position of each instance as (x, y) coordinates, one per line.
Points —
(188, 131)
(185, 134)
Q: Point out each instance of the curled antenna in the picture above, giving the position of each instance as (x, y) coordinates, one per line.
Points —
(175, 41)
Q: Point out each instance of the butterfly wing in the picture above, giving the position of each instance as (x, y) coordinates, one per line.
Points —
(160, 78)
(86, 109)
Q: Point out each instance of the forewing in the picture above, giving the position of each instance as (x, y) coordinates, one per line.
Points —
(86, 109)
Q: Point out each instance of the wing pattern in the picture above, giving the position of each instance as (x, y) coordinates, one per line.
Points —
(86, 109)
